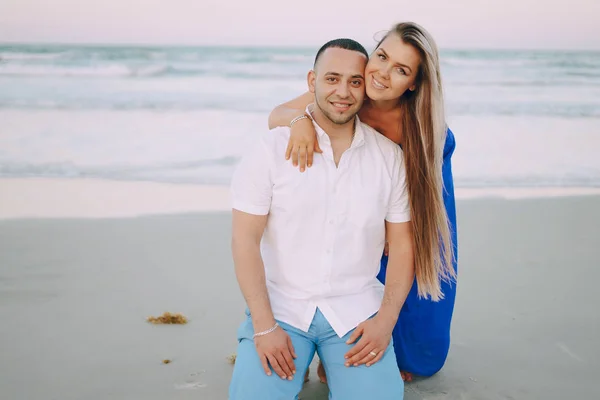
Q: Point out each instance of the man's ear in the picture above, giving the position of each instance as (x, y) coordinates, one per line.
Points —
(310, 79)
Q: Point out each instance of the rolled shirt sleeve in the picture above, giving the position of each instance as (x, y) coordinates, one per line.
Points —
(399, 205)
(251, 185)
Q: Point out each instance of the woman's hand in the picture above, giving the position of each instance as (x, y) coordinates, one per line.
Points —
(302, 144)
(374, 336)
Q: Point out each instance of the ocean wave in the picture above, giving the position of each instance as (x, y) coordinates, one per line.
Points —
(49, 70)
(495, 83)
(257, 79)
(255, 63)
(219, 171)
(292, 58)
(162, 68)
(537, 181)
(521, 57)
(590, 73)
(531, 109)
(240, 105)
(180, 172)
(455, 108)
(493, 62)
(18, 56)
(147, 71)
(103, 71)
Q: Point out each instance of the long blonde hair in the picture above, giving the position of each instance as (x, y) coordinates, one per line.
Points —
(424, 136)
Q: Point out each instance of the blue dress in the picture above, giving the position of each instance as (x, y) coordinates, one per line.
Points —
(422, 333)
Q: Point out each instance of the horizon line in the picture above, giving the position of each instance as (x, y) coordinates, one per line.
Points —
(276, 46)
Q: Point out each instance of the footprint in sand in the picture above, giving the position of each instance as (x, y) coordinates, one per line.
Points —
(190, 385)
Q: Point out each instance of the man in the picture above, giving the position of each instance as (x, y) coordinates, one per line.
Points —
(306, 248)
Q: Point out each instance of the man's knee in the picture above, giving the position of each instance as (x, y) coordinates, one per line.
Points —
(249, 380)
(380, 381)
(368, 383)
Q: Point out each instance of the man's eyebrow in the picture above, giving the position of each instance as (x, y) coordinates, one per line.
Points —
(359, 76)
(400, 64)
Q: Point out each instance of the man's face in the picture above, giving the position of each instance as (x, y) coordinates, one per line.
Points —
(338, 84)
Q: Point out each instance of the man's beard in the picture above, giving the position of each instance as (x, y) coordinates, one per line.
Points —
(336, 119)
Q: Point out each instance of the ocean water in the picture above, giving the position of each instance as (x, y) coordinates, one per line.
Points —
(187, 114)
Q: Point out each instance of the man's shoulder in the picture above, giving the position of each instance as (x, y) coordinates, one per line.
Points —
(275, 138)
(283, 131)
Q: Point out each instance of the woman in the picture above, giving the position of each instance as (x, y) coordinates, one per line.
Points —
(405, 103)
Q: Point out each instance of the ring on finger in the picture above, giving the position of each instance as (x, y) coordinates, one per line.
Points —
(373, 353)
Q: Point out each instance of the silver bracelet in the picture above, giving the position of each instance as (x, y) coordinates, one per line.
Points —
(298, 118)
(263, 333)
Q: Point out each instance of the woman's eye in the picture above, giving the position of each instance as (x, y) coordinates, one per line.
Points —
(381, 56)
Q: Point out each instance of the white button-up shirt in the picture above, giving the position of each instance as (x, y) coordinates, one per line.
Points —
(325, 231)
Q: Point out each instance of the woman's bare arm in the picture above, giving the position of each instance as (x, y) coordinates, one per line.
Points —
(303, 138)
(284, 113)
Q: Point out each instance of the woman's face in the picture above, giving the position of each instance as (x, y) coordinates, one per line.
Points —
(392, 69)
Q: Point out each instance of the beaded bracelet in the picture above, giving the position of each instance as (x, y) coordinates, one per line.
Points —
(263, 333)
(298, 118)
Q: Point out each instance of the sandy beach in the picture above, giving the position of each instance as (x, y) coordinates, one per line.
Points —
(75, 294)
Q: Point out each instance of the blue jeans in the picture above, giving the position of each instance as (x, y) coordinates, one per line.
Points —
(380, 381)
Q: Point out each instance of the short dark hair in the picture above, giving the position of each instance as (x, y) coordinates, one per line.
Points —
(346, 44)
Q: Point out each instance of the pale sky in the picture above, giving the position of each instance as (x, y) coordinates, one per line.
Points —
(552, 24)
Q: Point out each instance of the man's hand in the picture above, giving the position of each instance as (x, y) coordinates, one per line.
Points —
(375, 335)
(276, 349)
